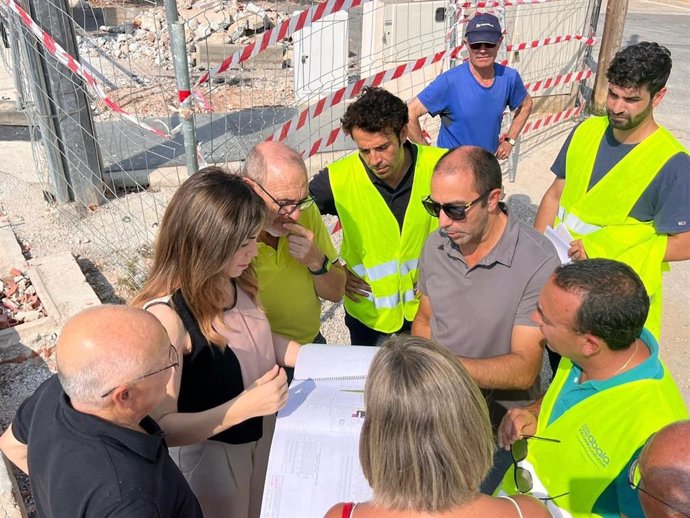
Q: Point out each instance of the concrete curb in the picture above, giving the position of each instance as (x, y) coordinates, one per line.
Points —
(63, 290)
(10, 115)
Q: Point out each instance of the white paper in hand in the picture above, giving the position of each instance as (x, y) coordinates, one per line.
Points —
(561, 239)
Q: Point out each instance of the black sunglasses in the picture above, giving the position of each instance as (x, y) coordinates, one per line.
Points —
(635, 479)
(454, 211)
(288, 207)
(523, 477)
(174, 358)
(477, 46)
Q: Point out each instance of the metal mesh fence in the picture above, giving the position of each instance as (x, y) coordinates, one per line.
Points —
(101, 89)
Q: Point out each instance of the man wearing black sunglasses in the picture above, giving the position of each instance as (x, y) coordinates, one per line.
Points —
(662, 475)
(480, 276)
(610, 393)
(85, 438)
(472, 97)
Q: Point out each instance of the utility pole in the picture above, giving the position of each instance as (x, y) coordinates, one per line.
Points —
(178, 49)
(65, 107)
(616, 11)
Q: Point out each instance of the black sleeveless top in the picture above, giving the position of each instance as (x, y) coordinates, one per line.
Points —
(210, 377)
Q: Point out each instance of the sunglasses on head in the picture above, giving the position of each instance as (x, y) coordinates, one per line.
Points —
(477, 46)
(455, 211)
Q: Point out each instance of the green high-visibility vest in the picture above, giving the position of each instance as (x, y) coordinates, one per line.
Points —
(373, 245)
(598, 437)
(600, 216)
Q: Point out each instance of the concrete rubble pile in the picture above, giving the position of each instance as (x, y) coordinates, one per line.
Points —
(145, 39)
(19, 302)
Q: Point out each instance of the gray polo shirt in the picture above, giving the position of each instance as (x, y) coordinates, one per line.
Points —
(474, 309)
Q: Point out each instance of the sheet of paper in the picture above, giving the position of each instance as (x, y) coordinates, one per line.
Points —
(314, 461)
(331, 361)
(561, 239)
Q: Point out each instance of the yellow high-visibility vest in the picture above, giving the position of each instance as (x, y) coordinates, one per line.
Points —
(600, 216)
(374, 247)
(598, 437)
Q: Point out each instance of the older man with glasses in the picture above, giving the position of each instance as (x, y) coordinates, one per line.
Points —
(480, 277)
(661, 475)
(575, 447)
(85, 438)
(297, 262)
(472, 97)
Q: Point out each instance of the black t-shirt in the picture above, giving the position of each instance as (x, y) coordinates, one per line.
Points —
(396, 199)
(666, 201)
(81, 466)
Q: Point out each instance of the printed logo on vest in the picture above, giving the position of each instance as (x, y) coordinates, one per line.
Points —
(593, 449)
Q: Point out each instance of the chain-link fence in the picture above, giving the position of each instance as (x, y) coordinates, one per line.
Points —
(103, 84)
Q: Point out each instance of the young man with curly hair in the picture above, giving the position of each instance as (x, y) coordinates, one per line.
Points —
(377, 195)
(622, 182)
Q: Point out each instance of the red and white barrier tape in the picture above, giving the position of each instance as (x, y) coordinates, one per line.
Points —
(553, 119)
(551, 82)
(548, 41)
(286, 28)
(352, 90)
(62, 56)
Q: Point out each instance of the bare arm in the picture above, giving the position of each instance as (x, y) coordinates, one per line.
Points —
(519, 120)
(546, 214)
(285, 349)
(331, 285)
(421, 326)
(265, 396)
(678, 247)
(416, 109)
(14, 450)
(516, 370)
(304, 248)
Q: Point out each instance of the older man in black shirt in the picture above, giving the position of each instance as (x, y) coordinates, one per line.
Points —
(84, 437)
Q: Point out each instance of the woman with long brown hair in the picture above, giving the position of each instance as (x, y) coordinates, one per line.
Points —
(221, 402)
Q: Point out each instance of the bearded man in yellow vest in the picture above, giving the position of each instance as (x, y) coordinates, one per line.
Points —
(377, 195)
(574, 447)
(622, 181)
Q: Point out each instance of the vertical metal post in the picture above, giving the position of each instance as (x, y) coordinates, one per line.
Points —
(178, 48)
(14, 30)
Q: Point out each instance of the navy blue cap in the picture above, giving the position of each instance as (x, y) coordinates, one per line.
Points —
(483, 28)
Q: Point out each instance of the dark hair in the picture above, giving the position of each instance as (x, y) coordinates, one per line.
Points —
(486, 171)
(376, 110)
(642, 64)
(614, 301)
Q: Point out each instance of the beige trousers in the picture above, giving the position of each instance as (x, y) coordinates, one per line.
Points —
(227, 479)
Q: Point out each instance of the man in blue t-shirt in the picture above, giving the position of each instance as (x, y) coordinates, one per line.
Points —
(471, 97)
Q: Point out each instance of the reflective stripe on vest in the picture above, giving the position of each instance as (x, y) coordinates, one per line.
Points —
(598, 437)
(374, 247)
(600, 216)
(383, 270)
(575, 224)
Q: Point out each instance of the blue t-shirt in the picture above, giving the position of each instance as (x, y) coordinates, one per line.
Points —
(618, 497)
(665, 201)
(471, 114)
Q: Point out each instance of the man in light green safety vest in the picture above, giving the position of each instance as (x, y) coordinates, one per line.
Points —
(622, 181)
(377, 195)
(574, 447)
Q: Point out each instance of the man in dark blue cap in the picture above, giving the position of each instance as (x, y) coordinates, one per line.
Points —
(471, 98)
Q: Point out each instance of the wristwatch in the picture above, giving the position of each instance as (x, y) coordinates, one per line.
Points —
(510, 141)
(325, 267)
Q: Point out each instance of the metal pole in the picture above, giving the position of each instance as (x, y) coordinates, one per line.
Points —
(616, 11)
(178, 48)
(14, 29)
(69, 107)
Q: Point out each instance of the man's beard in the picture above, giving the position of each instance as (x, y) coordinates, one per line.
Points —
(630, 122)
